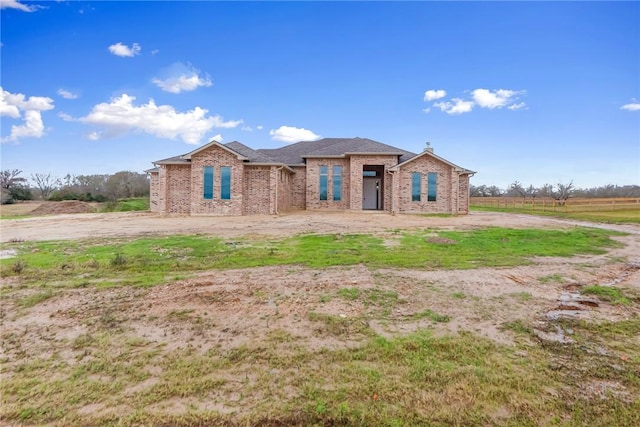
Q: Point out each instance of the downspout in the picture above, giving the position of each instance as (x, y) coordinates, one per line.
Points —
(277, 169)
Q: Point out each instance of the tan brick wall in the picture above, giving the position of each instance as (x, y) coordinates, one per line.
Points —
(178, 187)
(162, 190)
(447, 187)
(154, 192)
(313, 184)
(257, 190)
(463, 194)
(285, 198)
(355, 179)
(298, 185)
(216, 157)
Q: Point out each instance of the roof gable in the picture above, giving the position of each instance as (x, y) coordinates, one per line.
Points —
(214, 143)
(457, 168)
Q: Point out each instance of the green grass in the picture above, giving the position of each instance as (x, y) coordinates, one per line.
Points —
(615, 217)
(154, 260)
(126, 205)
(607, 293)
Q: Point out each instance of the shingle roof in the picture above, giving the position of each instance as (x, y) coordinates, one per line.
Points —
(294, 154)
(331, 147)
(250, 153)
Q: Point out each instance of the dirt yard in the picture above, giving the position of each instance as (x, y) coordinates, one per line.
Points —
(230, 309)
(92, 225)
(244, 304)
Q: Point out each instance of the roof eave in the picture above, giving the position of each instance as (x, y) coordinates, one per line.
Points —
(332, 156)
(363, 153)
(269, 164)
(160, 162)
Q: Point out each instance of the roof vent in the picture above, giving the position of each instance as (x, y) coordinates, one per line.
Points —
(429, 148)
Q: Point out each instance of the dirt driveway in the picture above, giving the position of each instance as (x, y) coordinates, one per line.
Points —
(80, 226)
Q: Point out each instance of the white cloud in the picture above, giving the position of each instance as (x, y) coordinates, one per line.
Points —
(66, 94)
(517, 106)
(259, 127)
(181, 78)
(155, 52)
(292, 134)
(497, 99)
(483, 98)
(93, 136)
(66, 117)
(123, 50)
(15, 104)
(633, 106)
(432, 95)
(247, 128)
(120, 116)
(15, 4)
(217, 137)
(455, 106)
(33, 126)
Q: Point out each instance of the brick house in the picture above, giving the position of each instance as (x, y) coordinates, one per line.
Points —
(330, 174)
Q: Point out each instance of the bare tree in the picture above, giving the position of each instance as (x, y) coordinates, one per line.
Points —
(126, 184)
(531, 191)
(516, 189)
(494, 191)
(10, 179)
(477, 191)
(45, 183)
(563, 192)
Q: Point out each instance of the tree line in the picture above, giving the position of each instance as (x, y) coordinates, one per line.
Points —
(88, 188)
(558, 191)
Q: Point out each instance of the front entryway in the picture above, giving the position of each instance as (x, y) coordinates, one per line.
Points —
(372, 187)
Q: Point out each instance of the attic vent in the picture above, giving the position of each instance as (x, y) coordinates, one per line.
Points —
(429, 148)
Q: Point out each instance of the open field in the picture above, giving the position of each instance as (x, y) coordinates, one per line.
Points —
(611, 210)
(319, 319)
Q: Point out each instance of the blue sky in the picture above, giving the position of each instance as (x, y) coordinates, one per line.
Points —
(537, 92)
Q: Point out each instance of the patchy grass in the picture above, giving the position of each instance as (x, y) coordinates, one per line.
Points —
(35, 298)
(110, 373)
(349, 293)
(416, 379)
(150, 261)
(431, 315)
(551, 278)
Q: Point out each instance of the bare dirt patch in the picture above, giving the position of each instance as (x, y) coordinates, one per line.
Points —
(131, 224)
(63, 207)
